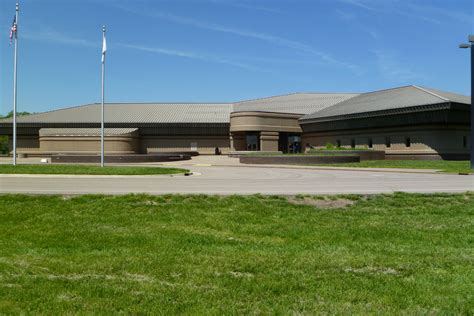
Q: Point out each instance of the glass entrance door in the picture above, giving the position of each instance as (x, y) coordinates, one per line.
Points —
(283, 143)
(253, 142)
(294, 144)
(289, 143)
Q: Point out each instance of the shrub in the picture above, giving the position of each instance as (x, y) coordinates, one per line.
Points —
(329, 146)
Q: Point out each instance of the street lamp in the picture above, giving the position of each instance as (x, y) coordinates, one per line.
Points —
(471, 46)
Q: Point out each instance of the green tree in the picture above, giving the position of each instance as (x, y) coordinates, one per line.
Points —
(10, 114)
(4, 148)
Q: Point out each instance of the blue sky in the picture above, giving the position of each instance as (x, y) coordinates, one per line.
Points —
(230, 50)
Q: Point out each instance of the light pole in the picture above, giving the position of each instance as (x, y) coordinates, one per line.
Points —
(471, 46)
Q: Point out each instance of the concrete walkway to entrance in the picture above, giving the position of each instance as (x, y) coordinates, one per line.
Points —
(225, 161)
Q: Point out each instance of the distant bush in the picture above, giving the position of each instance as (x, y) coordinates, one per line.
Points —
(4, 145)
(4, 139)
(329, 146)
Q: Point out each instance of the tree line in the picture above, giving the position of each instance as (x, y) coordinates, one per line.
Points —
(4, 148)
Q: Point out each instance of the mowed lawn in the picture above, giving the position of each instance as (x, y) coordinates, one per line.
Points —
(391, 254)
(442, 165)
(87, 170)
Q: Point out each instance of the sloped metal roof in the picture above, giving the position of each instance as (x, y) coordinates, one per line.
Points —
(135, 113)
(453, 97)
(314, 107)
(385, 100)
(297, 103)
(86, 131)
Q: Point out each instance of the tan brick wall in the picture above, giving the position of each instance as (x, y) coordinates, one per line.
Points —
(89, 144)
(203, 144)
(429, 140)
(238, 142)
(269, 141)
(259, 121)
(25, 143)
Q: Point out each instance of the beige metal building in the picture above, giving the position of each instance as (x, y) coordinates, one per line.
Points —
(409, 120)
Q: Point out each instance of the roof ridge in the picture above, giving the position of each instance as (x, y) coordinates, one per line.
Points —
(113, 103)
(431, 92)
(263, 98)
(168, 103)
(388, 89)
(71, 107)
(56, 110)
(294, 93)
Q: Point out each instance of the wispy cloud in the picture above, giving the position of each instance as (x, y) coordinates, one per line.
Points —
(279, 61)
(394, 70)
(414, 9)
(443, 13)
(360, 4)
(249, 6)
(389, 7)
(48, 35)
(61, 38)
(192, 55)
(351, 18)
(57, 37)
(269, 38)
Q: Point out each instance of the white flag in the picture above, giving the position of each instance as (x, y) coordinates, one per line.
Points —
(104, 48)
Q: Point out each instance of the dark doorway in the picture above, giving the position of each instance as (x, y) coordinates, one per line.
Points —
(283, 143)
(289, 143)
(253, 141)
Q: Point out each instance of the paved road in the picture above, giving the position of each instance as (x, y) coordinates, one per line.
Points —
(243, 180)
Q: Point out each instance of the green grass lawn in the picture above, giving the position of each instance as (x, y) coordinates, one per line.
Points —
(314, 153)
(443, 165)
(392, 254)
(86, 170)
(335, 148)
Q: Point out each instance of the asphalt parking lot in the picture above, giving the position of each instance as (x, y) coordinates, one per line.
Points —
(238, 179)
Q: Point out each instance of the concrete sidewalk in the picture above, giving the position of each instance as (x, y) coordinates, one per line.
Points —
(225, 161)
(242, 180)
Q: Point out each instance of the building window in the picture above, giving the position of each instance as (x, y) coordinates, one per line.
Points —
(408, 142)
(371, 144)
(388, 142)
(464, 142)
(353, 143)
(338, 143)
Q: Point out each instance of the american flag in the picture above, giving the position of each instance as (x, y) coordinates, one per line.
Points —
(13, 30)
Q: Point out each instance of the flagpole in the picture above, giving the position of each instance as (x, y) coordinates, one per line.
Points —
(102, 107)
(15, 68)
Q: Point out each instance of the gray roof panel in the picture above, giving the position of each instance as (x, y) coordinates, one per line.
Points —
(297, 103)
(453, 97)
(314, 106)
(385, 100)
(86, 131)
(136, 113)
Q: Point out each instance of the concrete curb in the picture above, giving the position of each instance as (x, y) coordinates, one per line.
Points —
(230, 193)
(89, 176)
(389, 170)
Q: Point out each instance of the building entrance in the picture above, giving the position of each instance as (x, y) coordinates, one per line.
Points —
(253, 142)
(289, 143)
